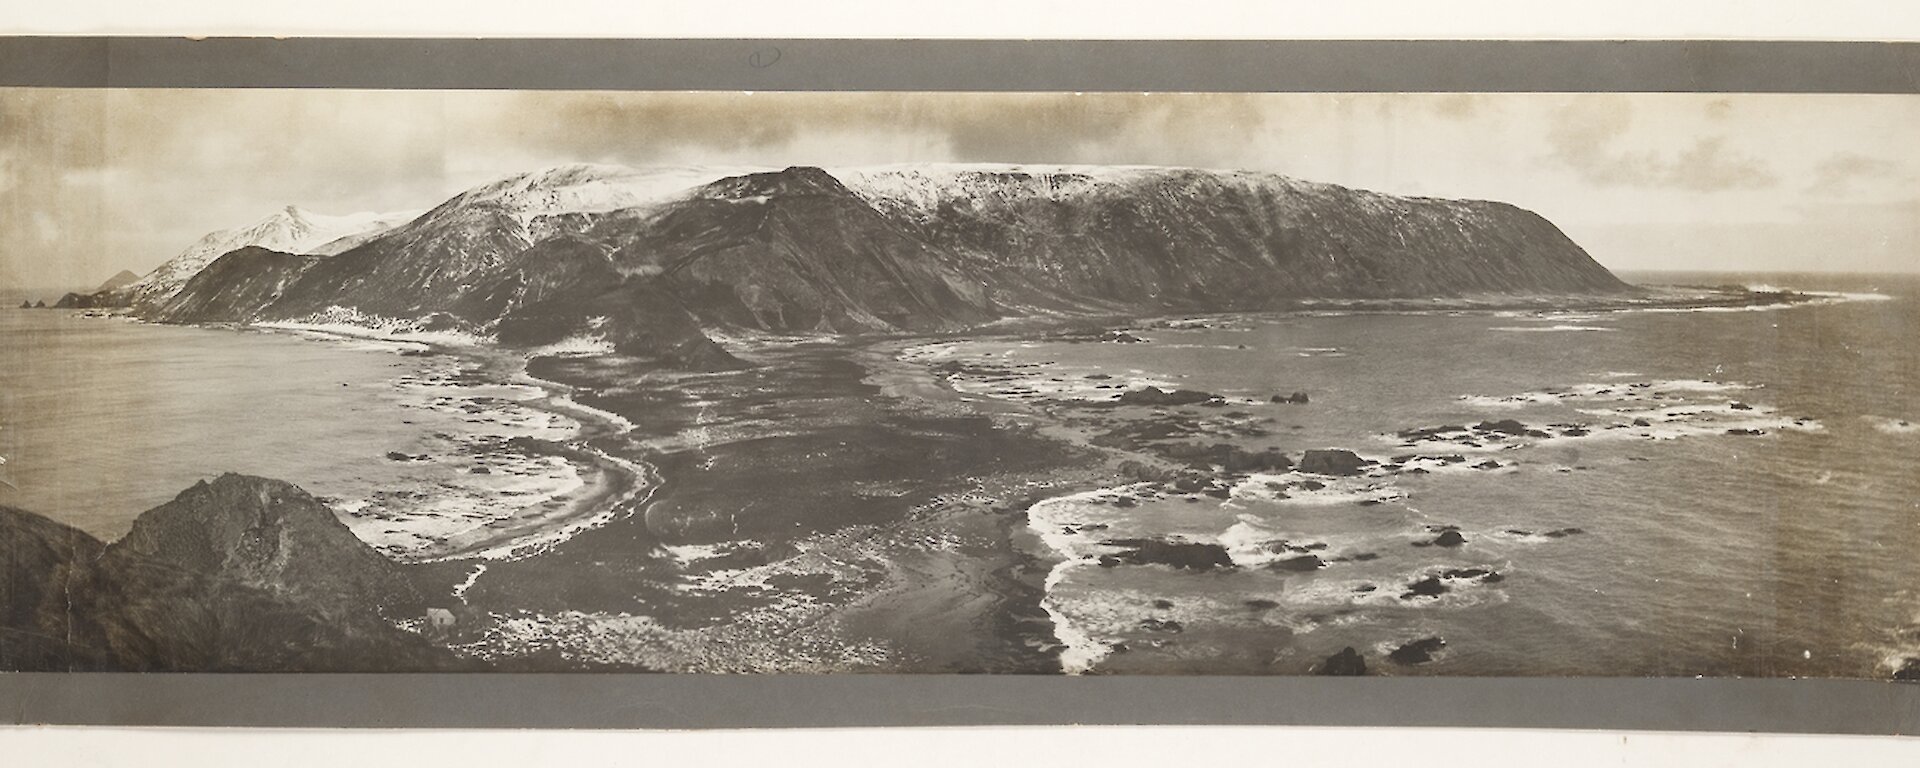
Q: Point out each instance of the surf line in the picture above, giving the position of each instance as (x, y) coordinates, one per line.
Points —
(632, 482)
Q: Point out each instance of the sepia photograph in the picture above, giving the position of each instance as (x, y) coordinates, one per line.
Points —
(1118, 383)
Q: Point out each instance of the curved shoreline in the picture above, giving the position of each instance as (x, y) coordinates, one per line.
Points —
(608, 483)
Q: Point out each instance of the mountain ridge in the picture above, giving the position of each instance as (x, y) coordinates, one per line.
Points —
(929, 248)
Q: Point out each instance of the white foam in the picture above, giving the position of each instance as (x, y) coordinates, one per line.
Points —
(583, 345)
(352, 323)
(1891, 426)
(1283, 489)
(1552, 328)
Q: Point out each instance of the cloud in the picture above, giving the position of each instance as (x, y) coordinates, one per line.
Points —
(1843, 173)
(871, 128)
(1585, 137)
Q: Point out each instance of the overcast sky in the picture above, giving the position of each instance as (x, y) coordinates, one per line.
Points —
(94, 181)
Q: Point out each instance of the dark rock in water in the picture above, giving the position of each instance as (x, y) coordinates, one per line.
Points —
(1299, 564)
(1228, 457)
(1417, 652)
(1144, 472)
(1503, 426)
(1909, 671)
(1297, 398)
(398, 456)
(1739, 406)
(1488, 464)
(41, 304)
(1483, 575)
(1366, 556)
(1428, 433)
(1096, 377)
(480, 471)
(1219, 493)
(1176, 554)
(1347, 663)
(1151, 395)
(1333, 461)
(1310, 485)
(1738, 431)
(1161, 625)
(1642, 423)
(1190, 482)
(26, 305)
(1430, 586)
(1563, 533)
(1163, 604)
(1121, 337)
(1574, 432)
(1449, 537)
(1261, 604)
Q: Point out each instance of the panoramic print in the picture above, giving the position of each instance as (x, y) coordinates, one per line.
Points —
(1055, 383)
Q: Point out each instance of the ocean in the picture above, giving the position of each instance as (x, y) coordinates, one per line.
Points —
(1763, 521)
(1707, 492)
(102, 418)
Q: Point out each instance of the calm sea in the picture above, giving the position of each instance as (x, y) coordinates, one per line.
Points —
(103, 418)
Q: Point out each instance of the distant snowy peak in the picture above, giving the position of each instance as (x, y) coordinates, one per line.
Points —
(290, 230)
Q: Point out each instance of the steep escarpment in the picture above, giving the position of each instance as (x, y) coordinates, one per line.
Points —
(1220, 240)
(238, 574)
(643, 259)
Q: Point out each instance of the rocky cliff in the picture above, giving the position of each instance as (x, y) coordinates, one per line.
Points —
(240, 574)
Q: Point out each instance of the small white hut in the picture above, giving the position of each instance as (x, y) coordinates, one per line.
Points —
(439, 621)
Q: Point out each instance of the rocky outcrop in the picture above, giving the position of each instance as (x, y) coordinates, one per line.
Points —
(637, 318)
(240, 574)
(1333, 461)
(1184, 555)
(1417, 652)
(110, 298)
(1151, 395)
(268, 535)
(1347, 663)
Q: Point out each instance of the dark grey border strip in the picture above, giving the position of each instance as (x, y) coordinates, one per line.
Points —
(721, 701)
(672, 701)
(963, 65)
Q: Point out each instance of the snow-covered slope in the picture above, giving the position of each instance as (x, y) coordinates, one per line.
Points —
(289, 230)
(587, 188)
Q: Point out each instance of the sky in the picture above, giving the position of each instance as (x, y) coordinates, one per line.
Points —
(95, 181)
